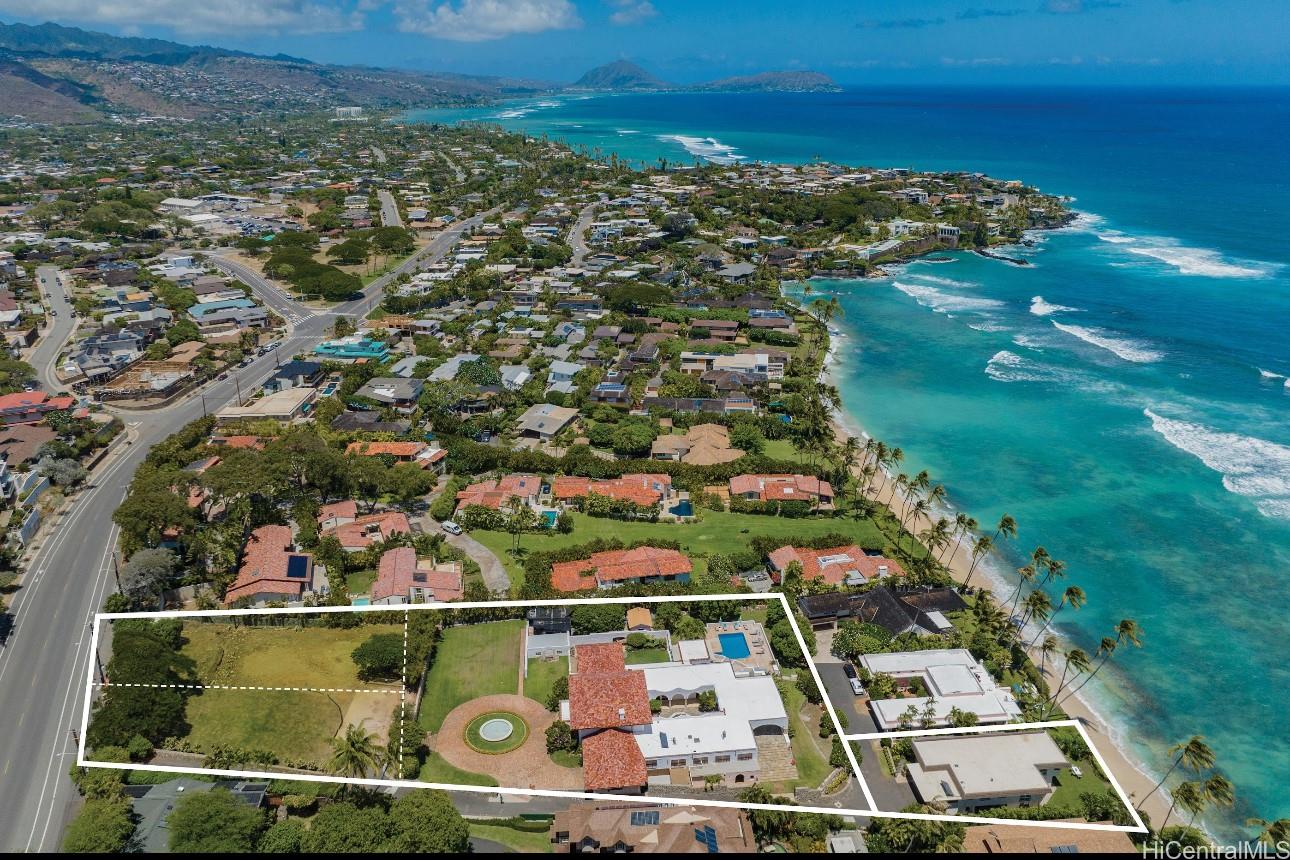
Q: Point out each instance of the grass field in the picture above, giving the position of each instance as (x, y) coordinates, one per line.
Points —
(812, 762)
(647, 655)
(517, 840)
(360, 582)
(437, 770)
(477, 742)
(717, 533)
(542, 677)
(472, 661)
(296, 727)
(1070, 787)
(280, 656)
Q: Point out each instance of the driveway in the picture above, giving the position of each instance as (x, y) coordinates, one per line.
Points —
(838, 689)
(526, 766)
(490, 567)
(891, 794)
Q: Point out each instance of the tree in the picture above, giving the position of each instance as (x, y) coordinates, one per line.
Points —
(283, 837)
(915, 836)
(1188, 795)
(104, 826)
(343, 828)
(213, 822)
(560, 737)
(381, 656)
(425, 822)
(1271, 832)
(147, 574)
(1193, 754)
(354, 753)
(520, 520)
(559, 692)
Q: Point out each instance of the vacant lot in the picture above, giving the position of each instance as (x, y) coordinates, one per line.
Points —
(472, 661)
(311, 657)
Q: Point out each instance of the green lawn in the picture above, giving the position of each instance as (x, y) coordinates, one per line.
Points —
(296, 727)
(565, 758)
(647, 655)
(717, 533)
(472, 661)
(542, 677)
(437, 770)
(279, 656)
(517, 840)
(812, 762)
(754, 613)
(783, 449)
(360, 582)
(477, 742)
(1070, 787)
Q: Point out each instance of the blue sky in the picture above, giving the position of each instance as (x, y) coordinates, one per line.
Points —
(857, 42)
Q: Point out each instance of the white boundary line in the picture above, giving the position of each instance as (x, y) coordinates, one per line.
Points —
(656, 800)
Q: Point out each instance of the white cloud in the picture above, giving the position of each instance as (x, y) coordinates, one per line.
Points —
(631, 11)
(482, 20)
(250, 17)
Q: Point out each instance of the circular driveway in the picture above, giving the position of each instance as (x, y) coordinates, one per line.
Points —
(526, 766)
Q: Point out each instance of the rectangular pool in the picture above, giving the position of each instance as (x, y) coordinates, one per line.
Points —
(734, 645)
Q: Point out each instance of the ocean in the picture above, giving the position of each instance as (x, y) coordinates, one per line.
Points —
(1125, 397)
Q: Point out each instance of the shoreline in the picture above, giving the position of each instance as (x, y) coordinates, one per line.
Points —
(1132, 777)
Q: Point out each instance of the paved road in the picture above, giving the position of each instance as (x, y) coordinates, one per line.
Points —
(44, 665)
(389, 210)
(578, 235)
(62, 324)
(378, 154)
(457, 171)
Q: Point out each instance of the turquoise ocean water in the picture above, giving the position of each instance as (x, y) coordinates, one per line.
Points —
(1125, 397)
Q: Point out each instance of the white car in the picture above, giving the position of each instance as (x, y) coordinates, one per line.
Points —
(450, 527)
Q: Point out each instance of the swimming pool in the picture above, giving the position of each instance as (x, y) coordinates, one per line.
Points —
(734, 645)
(550, 517)
(683, 509)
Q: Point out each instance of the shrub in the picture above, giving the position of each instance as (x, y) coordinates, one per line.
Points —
(381, 656)
(560, 738)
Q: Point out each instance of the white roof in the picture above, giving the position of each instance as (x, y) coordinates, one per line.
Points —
(991, 708)
(688, 735)
(989, 765)
(694, 650)
(754, 698)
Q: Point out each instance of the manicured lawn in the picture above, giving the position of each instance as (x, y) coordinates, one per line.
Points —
(647, 655)
(783, 449)
(812, 763)
(479, 743)
(565, 758)
(472, 661)
(517, 840)
(296, 727)
(1071, 787)
(542, 677)
(754, 613)
(717, 533)
(360, 582)
(280, 656)
(437, 770)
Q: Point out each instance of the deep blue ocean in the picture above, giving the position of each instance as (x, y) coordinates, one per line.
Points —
(1125, 397)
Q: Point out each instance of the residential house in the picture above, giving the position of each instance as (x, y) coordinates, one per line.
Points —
(294, 374)
(393, 391)
(839, 565)
(403, 578)
(544, 421)
(632, 828)
(640, 489)
(271, 569)
(783, 488)
(497, 494)
(895, 612)
(644, 564)
(953, 680)
(971, 773)
(366, 530)
(30, 407)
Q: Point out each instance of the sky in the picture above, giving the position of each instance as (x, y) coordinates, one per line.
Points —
(1050, 42)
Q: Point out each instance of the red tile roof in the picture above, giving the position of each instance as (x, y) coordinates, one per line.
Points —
(601, 657)
(606, 700)
(365, 531)
(396, 449)
(771, 488)
(833, 565)
(642, 489)
(612, 759)
(400, 572)
(264, 566)
(605, 568)
(495, 494)
(346, 510)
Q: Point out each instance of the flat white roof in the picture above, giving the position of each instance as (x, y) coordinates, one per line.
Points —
(991, 708)
(693, 650)
(991, 764)
(754, 698)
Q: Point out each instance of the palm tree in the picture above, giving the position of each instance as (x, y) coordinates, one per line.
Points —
(1190, 796)
(1193, 754)
(980, 548)
(1037, 605)
(1078, 660)
(963, 526)
(937, 535)
(354, 753)
(1007, 526)
(897, 484)
(1073, 597)
(1027, 573)
(1218, 791)
(1056, 569)
(1271, 832)
(1046, 649)
(1127, 631)
(921, 507)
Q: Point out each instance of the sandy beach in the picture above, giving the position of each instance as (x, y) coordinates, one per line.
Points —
(1130, 777)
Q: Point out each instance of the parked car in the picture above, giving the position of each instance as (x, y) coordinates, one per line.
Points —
(450, 527)
(853, 679)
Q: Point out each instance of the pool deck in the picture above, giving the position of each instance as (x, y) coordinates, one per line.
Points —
(760, 657)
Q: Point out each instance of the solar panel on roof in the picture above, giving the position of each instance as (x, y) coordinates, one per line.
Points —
(298, 567)
(645, 819)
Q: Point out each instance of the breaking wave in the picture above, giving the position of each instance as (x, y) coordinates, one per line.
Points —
(1041, 308)
(1251, 467)
(1129, 350)
(708, 148)
(945, 303)
(1186, 260)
